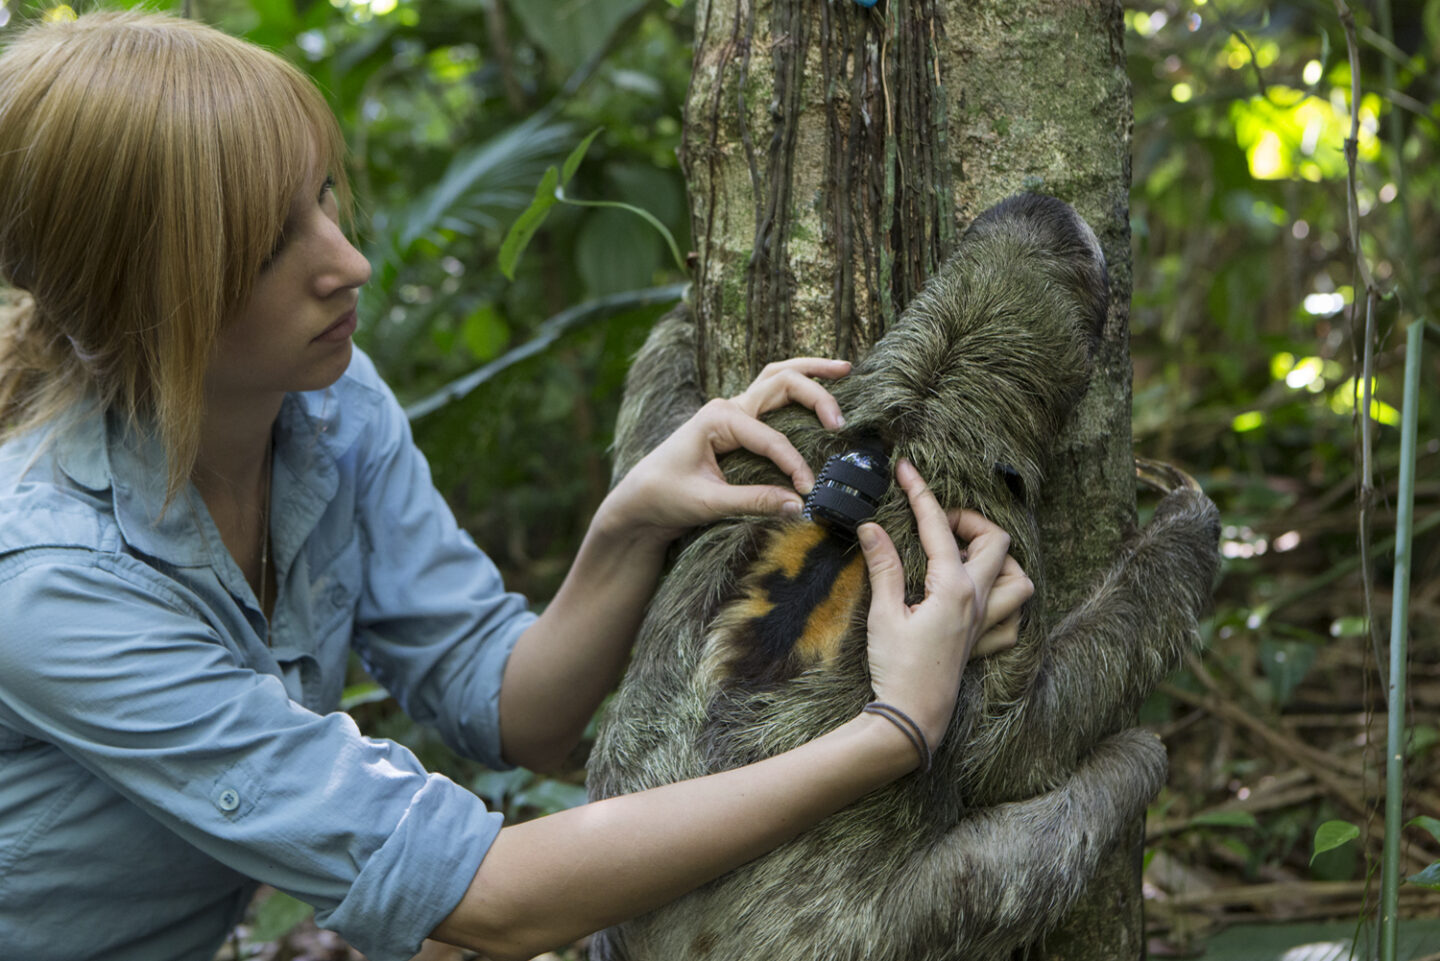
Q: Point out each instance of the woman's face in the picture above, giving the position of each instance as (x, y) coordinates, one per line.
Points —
(294, 333)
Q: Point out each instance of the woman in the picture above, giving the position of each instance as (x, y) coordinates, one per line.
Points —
(207, 496)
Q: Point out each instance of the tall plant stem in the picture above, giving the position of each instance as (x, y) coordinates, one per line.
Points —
(1404, 523)
(1399, 629)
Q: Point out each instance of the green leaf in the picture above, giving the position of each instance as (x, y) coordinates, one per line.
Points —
(1331, 835)
(528, 222)
(1226, 819)
(277, 916)
(1428, 878)
(482, 184)
(485, 332)
(572, 162)
(1428, 823)
(572, 31)
(366, 693)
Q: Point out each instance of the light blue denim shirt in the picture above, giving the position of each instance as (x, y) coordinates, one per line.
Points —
(158, 756)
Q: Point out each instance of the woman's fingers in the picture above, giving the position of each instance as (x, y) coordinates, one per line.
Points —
(1000, 637)
(1007, 595)
(789, 382)
(988, 547)
(730, 427)
(931, 521)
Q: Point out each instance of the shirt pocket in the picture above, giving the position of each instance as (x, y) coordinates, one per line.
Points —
(334, 590)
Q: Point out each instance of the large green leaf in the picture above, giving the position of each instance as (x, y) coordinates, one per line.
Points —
(484, 184)
(1428, 878)
(572, 31)
(1427, 823)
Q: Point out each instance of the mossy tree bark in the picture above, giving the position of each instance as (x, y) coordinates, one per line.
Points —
(834, 156)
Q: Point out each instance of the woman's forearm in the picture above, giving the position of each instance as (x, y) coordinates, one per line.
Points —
(546, 882)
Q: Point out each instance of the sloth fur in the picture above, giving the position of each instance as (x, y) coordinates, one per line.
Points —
(1039, 773)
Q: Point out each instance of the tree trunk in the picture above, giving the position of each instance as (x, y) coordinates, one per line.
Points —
(834, 156)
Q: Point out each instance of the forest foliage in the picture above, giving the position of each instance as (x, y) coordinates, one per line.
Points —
(1244, 339)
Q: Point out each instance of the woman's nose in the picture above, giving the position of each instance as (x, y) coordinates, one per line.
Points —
(345, 266)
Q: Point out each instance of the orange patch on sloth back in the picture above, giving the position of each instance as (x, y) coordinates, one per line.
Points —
(796, 606)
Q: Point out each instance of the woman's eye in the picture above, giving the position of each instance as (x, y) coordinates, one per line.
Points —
(326, 192)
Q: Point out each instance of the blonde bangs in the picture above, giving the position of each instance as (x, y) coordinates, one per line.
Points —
(147, 166)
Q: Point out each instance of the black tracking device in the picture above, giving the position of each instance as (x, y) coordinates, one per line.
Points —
(849, 488)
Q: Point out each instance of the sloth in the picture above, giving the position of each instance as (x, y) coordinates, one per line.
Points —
(755, 640)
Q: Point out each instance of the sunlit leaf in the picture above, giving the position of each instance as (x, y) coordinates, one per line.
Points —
(485, 332)
(528, 222)
(1247, 421)
(358, 694)
(1331, 835)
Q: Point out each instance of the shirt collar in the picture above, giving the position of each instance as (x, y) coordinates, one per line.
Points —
(314, 430)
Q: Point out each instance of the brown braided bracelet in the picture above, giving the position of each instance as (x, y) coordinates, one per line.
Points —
(907, 726)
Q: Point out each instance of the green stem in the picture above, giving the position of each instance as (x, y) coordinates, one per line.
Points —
(1399, 629)
(639, 211)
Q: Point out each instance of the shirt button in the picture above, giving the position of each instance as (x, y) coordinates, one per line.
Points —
(228, 800)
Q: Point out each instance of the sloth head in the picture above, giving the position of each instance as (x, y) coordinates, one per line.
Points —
(976, 378)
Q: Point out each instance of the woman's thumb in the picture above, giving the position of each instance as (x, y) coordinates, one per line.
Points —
(887, 578)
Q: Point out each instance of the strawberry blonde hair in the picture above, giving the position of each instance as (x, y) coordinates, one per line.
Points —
(147, 164)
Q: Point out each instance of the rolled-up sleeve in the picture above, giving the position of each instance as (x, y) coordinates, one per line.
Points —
(113, 665)
(434, 623)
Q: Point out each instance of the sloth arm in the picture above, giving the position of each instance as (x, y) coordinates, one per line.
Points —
(1109, 653)
(662, 390)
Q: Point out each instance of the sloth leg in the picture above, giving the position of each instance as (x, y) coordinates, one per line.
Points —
(1005, 875)
(662, 390)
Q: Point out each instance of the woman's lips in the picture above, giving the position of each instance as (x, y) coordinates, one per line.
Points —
(338, 331)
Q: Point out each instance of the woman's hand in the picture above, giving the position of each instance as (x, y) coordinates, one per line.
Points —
(971, 606)
(679, 484)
